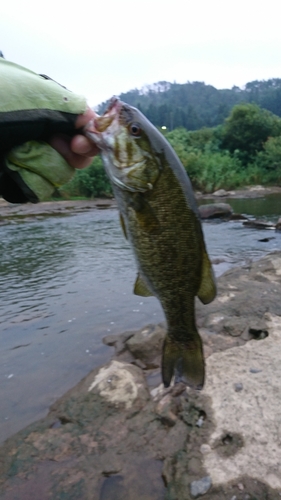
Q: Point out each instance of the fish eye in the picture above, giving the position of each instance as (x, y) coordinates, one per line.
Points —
(135, 130)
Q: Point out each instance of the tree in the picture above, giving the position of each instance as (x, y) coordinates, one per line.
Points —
(247, 129)
(269, 160)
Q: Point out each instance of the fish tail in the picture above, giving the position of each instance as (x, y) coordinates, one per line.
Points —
(184, 360)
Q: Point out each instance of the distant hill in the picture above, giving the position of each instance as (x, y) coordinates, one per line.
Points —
(194, 105)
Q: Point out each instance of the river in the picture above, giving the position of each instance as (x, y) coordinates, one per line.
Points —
(66, 282)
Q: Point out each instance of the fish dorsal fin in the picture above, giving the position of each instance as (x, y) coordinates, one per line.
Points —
(122, 223)
(208, 289)
(141, 287)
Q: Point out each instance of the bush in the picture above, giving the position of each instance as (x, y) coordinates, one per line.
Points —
(269, 161)
(90, 182)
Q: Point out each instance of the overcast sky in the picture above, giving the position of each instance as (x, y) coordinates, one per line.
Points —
(102, 48)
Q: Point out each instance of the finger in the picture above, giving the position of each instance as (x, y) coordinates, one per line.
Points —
(83, 146)
(82, 120)
(62, 146)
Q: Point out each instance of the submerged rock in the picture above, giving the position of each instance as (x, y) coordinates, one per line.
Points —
(259, 224)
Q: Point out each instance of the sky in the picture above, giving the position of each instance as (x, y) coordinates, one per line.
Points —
(102, 48)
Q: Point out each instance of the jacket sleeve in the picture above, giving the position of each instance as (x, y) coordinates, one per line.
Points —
(32, 109)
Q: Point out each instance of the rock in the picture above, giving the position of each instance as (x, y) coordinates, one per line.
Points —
(259, 224)
(118, 341)
(200, 487)
(266, 240)
(120, 383)
(205, 448)
(278, 225)
(238, 387)
(257, 331)
(255, 370)
(110, 438)
(238, 217)
(235, 326)
(257, 188)
(215, 211)
(220, 192)
(146, 345)
(166, 410)
(258, 425)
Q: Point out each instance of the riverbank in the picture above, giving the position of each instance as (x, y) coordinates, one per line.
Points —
(246, 193)
(37, 211)
(120, 434)
(16, 212)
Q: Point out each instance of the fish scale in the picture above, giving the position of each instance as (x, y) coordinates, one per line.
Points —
(160, 219)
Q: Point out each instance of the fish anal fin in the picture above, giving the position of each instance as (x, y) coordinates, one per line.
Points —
(185, 360)
(208, 289)
(141, 287)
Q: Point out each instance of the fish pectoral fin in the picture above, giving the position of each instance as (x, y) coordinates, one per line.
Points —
(208, 288)
(185, 360)
(141, 287)
(145, 214)
(122, 223)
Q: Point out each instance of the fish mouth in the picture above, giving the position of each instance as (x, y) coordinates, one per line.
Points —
(94, 129)
(114, 106)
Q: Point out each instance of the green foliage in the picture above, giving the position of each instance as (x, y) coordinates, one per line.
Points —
(208, 167)
(215, 171)
(245, 150)
(269, 160)
(90, 182)
(237, 153)
(247, 129)
(205, 139)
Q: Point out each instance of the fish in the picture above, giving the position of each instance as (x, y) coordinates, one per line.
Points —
(160, 219)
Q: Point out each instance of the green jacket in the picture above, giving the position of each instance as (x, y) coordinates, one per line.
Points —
(32, 109)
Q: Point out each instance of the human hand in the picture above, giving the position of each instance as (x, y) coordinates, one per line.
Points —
(78, 151)
(40, 134)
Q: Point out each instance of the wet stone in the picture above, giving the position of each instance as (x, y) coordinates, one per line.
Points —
(200, 487)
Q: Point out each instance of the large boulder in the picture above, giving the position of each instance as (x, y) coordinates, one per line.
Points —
(244, 387)
(215, 211)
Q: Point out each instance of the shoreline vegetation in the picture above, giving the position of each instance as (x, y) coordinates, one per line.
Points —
(242, 151)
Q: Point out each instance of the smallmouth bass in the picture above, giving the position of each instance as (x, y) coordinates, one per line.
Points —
(159, 217)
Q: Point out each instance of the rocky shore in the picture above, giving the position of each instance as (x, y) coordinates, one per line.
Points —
(120, 435)
(14, 213)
